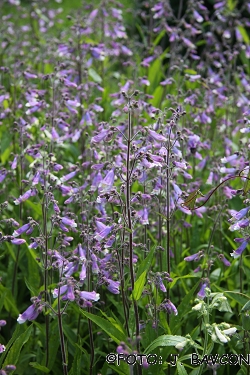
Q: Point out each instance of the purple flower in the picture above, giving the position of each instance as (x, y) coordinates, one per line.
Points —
(224, 260)
(239, 224)
(57, 167)
(91, 296)
(237, 253)
(69, 176)
(31, 313)
(2, 348)
(69, 222)
(239, 215)
(63, 290)
(29, 75)
(102, 230)
(112, 286)
(201, 294)
(95, 268)
(197, 16)
(83, 274)
(14, 163)
(70, 268)
(169, 307)
(70, 292)
(107, 183)
(3, 174)
(18, 241)
(194, 257)
(29, 193)
(21, 230)
(160, 284)
(156, 136)
(143, 216)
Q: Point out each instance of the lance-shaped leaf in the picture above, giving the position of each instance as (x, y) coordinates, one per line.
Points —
(246, 186)
(191, 199)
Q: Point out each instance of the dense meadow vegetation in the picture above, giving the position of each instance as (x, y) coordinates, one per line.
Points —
(124, 179)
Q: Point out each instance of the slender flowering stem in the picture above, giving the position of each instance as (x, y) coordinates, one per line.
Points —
(129, 219)
(60, 325)
(168, 206)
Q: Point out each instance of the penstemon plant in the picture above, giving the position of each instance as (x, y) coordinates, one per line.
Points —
(124, 155)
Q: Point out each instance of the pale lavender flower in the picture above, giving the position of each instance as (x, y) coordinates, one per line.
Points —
(112, 286)
(102, 230)
(237, 253)
(36, 178)
(18, 241)
(143, 216)
(224, 260)
(3, 174)
(69, 222)
(201, 294)
(57, 167)
(107, 183)
(197, 16)
(169, 307)
(2, 348)
(83, 273)
(29, 75)
(70, 268)
(94, 265)
(29, 193)
(239, 224)
(70, 292)
(239, 215)
(63, 290)
(14, 163)
(156, 136)
(91, 296)
(31, 313)
(69, 176)
(21, 230)
(194, 257)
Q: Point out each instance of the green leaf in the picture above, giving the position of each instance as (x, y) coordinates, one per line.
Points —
(39, 367)
(76, 366)
(122, 369)
(183, 309)
(107, 327)
(36, 207)
(94, 75)
(14, 352)
(240, 298)
(164, 340)
(33, 279)
(54, 343)
(181, 369)
(172, 284)
(190, 201)
(231, 4)
(244, 34)
(246, 186)
(9, 301)
(190, 71)
(159, 37)
(139, 285)
(116, 323)
(146, 263)
(154, 73)
(246, 307)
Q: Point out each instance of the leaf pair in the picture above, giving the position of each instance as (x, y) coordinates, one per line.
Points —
(191, 199)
